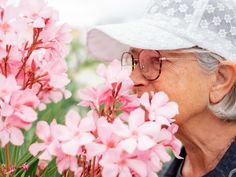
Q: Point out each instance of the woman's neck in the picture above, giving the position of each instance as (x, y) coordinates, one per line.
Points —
(206, 138)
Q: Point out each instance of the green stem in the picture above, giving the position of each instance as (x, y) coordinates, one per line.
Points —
(93, 166)
(70, 174)
(64, 173)
(8, 162)
(1, 172)
(30, 51)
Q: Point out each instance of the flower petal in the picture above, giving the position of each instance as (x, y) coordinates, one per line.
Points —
(120, 129)
(161, 120)
(110, 170)
(43, 130)
(162, 153)
(62, 133)
(35, 148)
(104, 130)
(144, 100)
(16, 136)
(144, 143)
(150, 128)
(4, 137)
(129, 145)
(71, 147)
(87, 124)
(85, 138)
(125, 172)
(101, 70)
(169, 110)
(72, 119)
(159, 99)
(94, 149)
(45, 155)
(39, 23)
(136, 118)
(6, 110)
(138, 166)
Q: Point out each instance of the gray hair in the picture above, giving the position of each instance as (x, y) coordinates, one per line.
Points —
(226, 108)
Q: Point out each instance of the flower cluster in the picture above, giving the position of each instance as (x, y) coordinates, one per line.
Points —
(122, 135)
(32, 65)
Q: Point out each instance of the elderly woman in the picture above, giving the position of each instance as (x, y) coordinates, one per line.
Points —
(186, 48)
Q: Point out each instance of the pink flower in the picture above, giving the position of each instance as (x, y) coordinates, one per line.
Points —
(57, 72)
(78, 172)
(138, 134)
(114, 73)
(173, 142)
(89, 98)
(116, 77)
(8, 25)
(159, 108)
(115, 91)
(65, 162)
(154, 158)
(25, 166)
(75, 133)
(57, 34)
(94, 97)
(106, 139)
(50, 145)
(23, 104)
(8, 85)
(118, 163)
(9, 133)
(33, 73)
(128, 102)
(37, 13)
(42, 164)
(3, 3)
(19, 110)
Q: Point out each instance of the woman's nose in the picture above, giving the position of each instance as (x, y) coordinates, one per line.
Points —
(138, 78)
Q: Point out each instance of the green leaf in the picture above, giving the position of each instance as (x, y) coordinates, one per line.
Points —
(2, 156)
(51, 169)
(32, 162)
(23, 174)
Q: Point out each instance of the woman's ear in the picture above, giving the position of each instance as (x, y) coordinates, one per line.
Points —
(224, 81)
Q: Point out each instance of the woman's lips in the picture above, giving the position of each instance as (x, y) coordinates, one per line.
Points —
(139, 91)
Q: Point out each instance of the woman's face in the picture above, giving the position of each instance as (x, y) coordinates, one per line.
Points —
(181, 79)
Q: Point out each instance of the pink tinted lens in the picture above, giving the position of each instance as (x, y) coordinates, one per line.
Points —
(149, 61)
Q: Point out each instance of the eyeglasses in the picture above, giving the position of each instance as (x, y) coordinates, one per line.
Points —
(149, 62)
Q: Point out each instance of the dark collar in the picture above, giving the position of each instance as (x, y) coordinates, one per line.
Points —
(225, 168)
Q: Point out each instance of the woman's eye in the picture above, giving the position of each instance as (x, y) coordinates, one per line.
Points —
(156, 60)
(136, 62)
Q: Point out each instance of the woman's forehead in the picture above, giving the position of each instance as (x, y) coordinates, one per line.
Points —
(136, 51)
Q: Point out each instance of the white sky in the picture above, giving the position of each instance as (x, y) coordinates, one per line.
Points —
(90, 12)
(84, 13)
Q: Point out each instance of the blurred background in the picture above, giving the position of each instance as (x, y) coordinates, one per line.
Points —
(81, 15)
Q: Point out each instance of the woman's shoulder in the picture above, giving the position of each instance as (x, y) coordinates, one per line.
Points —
(227, 165)
(172, 168)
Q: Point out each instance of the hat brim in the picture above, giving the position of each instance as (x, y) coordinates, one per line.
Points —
(108, 42)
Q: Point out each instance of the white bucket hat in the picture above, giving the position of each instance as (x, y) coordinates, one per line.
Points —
(168, 25)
